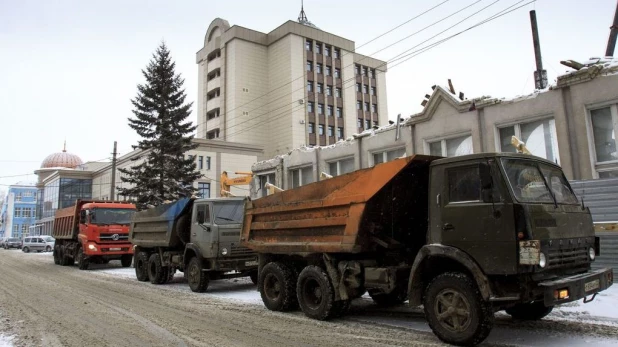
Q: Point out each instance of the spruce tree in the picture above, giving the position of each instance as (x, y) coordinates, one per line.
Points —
(160, 111)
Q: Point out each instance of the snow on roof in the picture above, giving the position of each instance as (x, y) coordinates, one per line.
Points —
(25, 184)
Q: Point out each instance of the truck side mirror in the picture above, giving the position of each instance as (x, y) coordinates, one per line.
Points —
(486, 182)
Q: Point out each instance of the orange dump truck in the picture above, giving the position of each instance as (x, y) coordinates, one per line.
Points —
(93, 232)
(464, 236)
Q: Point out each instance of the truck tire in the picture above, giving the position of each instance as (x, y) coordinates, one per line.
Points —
(82, 261)
(530, 311)
(141, 266)
(254, 276)
(394, 298)
(198, 279)
(157, 273)
(316, 295)
(126, 260)
(455, 310)
(56, 257)
(277, 286)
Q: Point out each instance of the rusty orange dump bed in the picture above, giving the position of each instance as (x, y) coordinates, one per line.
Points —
(382, 206)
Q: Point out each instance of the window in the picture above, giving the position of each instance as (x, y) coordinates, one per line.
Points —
(375, 123)
(389, 155)
(308, 45)
(365, 89)
(320, 88)
(318, 48)
(339, 132)
(15, 228)
(358, 87)
(358, 69)
(367, 106)
(18, 212)
(321, 129)
(213, 94)
(364, 72)
(358, 105)
(329, 110)
(203, 213)
(373, 73)
(310, 107)
(318, 68)
(329, 90)
(539, 136)
(207, 163)
(337, 53)
(24, 228)
(311, 128)
(310, 86)
(359, 123)
(451, 147)
(373, 90)
(263, 179)
(337, 72)
(464, 184)
(341, 167)
(367, 124)
(331, 130)
(320, 108)
(339, 112)
(200, 162)
(213, 114)
(213, 134)
(374, 108)
(301, 176)
(327, 70)
(326, 50)
(309, 66)
(337, 92)
(604, 124)
(18, 196)
(203, 190)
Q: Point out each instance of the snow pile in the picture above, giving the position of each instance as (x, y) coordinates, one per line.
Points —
(601, 310)
(6, 341)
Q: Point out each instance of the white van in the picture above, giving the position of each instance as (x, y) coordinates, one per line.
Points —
(35, 243)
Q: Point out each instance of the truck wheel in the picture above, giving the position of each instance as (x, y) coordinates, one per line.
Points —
(254, 276)
(126, 260)
(26, 250)
(68, 260)
(277, 286)
(315, 293)
(198, 279)
(455, 310)
(394, 298)
(529, 311)
(82, 262)
(157, 273)
(56, 257)
(61, 258)
(141, 266)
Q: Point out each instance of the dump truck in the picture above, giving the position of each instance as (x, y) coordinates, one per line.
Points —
(200, 237)
(93, 232)
(463, 236)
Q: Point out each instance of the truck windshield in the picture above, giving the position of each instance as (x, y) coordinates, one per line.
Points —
(228, 212)
(538, 182)
(108, 216)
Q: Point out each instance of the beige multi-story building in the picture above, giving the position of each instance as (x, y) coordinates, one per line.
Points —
(295, 86)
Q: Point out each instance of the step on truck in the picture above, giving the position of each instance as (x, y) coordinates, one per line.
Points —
(93, 232)
(200, 237)
(464, 236)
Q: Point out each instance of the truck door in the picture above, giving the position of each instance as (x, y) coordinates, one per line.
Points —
(203, 234)
(474, 222)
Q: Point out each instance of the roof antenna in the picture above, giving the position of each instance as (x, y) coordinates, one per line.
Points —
(302, 17)
(65, 146)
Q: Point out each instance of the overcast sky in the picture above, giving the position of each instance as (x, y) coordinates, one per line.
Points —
(68, 69)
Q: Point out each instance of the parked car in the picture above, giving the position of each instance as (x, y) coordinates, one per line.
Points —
(50, 241)
(11, 242)
(35, 243)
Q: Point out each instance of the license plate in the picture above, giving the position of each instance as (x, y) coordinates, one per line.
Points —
(251, 263)
(591, 285)
(115, 249)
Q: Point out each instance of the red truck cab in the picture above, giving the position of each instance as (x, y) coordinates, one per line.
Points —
(93, 232)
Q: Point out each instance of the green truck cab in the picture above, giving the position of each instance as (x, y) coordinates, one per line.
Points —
(463, 236)
(200, 237)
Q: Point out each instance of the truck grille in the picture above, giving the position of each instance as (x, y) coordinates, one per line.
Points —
(114, 237)
(559, 258)
(238, 251)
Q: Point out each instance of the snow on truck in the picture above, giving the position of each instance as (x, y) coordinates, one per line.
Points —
(464, 236)
(200, 237)
(93, 232)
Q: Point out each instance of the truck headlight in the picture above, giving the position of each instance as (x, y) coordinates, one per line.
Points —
(224, 251)
(592, 253)
(92, 247)
(542, 260)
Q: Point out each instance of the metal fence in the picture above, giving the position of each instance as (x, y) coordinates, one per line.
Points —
(601, 196)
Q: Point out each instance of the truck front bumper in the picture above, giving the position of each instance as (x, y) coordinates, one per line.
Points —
(572, 288)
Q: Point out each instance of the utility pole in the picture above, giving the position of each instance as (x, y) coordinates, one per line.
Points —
(112, 189)
(540, 75)
(613, 32)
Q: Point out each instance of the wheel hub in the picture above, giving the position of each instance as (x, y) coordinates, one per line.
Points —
(452, 310)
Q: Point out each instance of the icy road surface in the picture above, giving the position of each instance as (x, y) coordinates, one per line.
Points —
(42, 304)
